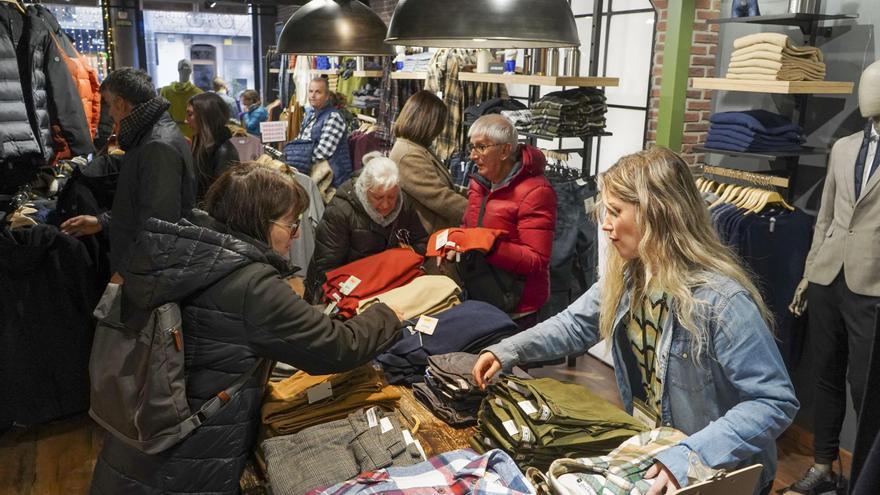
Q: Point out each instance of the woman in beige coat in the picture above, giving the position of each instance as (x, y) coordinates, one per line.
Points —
(422, 175)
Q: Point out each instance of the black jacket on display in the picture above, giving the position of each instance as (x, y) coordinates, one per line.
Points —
(36, 91)
(236, 309)
(347, 233)
(45, 335)
(156, 180)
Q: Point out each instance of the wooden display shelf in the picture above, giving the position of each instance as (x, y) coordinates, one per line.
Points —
(409, 75)
(778, 87)
(328, 72)
(367, 73)
(539, 80)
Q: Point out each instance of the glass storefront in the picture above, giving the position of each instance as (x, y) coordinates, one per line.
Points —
(85, 26)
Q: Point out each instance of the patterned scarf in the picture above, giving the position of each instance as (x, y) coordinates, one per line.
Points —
(141, 118)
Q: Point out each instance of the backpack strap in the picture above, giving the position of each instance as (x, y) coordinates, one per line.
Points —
(213, 405)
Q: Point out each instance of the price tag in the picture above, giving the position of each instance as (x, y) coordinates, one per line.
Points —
(545, 412)
(349, 285)
(644, 414)
(463, 384)
(441, 240)
(371, 417)
(527, 407)
(426, 325)
(499, 402)
(510, 427)
(273, 132)
(525, 434)
(385, 425)
(319, 392)
(407, 437)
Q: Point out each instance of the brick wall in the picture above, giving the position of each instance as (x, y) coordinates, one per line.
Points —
(703, 62)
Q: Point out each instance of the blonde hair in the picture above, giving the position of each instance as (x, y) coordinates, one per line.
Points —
(679, 249)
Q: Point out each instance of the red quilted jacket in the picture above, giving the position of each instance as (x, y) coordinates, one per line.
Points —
(525, 207)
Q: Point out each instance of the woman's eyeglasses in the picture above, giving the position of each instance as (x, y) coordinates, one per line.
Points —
(480, 147)
(291, 227)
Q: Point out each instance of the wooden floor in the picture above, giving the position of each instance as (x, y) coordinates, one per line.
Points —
(58, 458)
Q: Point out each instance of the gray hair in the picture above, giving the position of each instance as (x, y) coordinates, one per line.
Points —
(497, 128)
(324, 80)
(379, 172)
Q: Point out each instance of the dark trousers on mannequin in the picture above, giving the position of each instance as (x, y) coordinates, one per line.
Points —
(842, 335)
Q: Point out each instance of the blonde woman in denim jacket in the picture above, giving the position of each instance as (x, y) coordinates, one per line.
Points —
(690, 334)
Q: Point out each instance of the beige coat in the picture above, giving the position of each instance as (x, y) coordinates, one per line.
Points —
(847, 231)
(430, 186)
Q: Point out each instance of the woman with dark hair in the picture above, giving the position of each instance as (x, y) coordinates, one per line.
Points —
(224, 267)
(213, 153)
(422, 176)
(253, 112)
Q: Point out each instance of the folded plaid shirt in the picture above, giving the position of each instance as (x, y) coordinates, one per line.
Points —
(618, 473)
(459, 472)
(332, 133)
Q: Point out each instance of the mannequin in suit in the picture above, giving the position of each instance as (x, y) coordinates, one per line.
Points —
(842, 282)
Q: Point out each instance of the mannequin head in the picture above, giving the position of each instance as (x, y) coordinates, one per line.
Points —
(184, 70)
(869, 92)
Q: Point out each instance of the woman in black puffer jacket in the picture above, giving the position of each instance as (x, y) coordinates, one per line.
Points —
(369, 214)
(224, 268)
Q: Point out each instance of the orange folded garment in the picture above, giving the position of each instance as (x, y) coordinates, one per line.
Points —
(461, 240)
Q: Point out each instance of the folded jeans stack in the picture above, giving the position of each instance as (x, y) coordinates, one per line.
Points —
(366, 440)
(426, 295)
(570, 113)
(349, 284)
(460, 471)
(305, 400)
(773, 57)
(468, 327)
(755, 131)
(621, 472)
(450, 391)
(540, 420)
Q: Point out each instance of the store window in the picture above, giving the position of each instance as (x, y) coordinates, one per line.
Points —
(217, 44)
(85, 26)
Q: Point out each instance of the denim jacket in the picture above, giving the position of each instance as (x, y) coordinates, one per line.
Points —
(732, 402)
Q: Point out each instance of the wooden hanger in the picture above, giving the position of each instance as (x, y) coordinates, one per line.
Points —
(17, 4)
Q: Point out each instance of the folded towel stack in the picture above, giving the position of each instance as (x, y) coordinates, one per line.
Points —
(753, 131)
(773, 57)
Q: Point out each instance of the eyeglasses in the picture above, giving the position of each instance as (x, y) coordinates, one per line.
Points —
(291, 227)
(481, 148)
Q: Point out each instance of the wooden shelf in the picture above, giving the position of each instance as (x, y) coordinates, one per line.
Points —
(330, 72)
(803, 21)
(409, 75)
(778, 87)
(539, 80)
(550, 138)
(367, 73)
(763, 155)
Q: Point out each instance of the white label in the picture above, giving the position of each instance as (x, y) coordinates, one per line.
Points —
(371, 417)
(421, 450)
(510, 427)
(385, 425)
(499, 402)
(407, 437)
(463, 384)
(349, 285)
(273, 132)
(527, 407)
(526, 434)
(545, 412)
(426, 325)
(581, 182)
(319, 392)
(442, 237)
(513, 386)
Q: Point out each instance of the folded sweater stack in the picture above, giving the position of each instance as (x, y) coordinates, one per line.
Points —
(773, 57)
(753, 131)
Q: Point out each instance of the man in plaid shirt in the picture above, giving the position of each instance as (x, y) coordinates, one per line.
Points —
(331, 144)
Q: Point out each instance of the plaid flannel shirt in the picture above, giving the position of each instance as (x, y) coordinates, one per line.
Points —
(618, 473)
(331, 135)
(459, 472)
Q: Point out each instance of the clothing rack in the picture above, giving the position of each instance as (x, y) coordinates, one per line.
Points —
(753, 178)
(366, 118)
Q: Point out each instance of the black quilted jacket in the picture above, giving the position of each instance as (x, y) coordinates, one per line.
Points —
(36, 90)
(236, 309)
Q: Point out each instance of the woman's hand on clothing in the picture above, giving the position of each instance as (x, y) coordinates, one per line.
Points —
(485, 368)
(81, 225)
(664, 481)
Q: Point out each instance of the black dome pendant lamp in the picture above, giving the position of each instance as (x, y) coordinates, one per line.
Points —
(483, 24)
(334, 27)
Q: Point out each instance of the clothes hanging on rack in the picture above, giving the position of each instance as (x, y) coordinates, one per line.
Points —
(394, 94)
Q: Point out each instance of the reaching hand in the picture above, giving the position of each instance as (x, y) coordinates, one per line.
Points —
(664, 481)
(485, 368)
(81, 225)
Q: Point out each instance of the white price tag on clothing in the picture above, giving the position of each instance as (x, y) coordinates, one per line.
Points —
(385, 425)
(426, 324)
(371, 417)
(510, 427)
(526, 434)
(407, 437)
(499, 402)
(463, 384)
(545, 412)
(273, 132)
(441, 240)
(527, 407)
(349, 285)
(319, 392)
